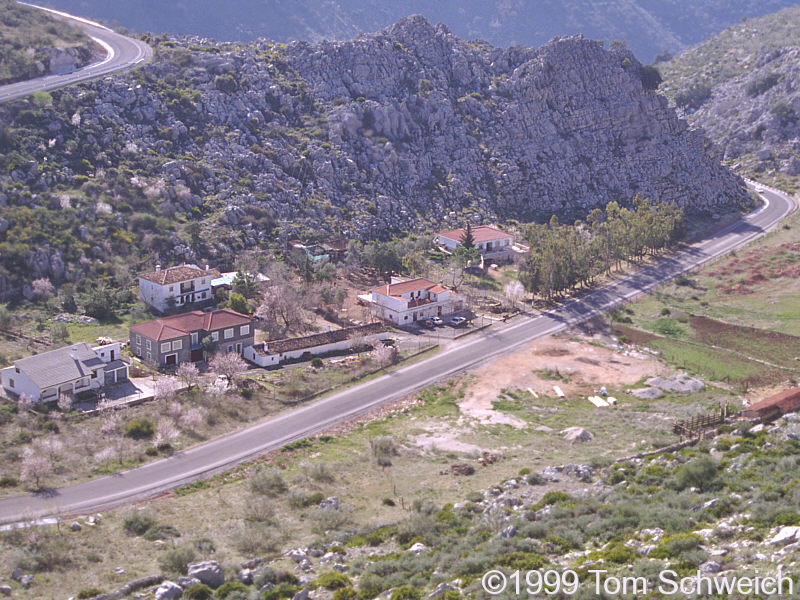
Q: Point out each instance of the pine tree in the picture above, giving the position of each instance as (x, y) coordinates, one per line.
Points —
(467, 239)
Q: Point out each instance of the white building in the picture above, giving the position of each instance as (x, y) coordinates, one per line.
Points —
(491, 242)
(176, 287)
(70, 370)
(267, 354)
(404, 302)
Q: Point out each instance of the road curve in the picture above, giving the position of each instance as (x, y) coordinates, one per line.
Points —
(223, 452)
(121, 53)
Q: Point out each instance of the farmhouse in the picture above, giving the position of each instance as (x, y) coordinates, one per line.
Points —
(69, 370)
(774, 406)
(493, 243)
(273, 353)
(403, 302)
(177, 287)
(191, 337)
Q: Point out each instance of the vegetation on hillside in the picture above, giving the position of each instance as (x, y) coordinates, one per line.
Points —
(25, 34)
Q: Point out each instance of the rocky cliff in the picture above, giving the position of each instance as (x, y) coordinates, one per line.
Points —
(741, 88)
(388, 133)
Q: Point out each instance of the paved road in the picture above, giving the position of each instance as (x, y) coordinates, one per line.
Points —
(223, 452)
(121, 53)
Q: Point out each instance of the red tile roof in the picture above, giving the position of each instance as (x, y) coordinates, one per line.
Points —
(178, 274)
(412, 285)
(176, 326)
(781, 403)
(480, 233)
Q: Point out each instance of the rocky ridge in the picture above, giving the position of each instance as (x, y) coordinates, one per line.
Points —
(377, 136)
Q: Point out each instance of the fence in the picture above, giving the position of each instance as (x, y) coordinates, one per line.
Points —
(697, 426)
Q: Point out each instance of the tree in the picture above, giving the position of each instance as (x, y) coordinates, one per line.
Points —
(59, 332)
(229, 364)
(245, 285)
(165, 389)
(514, 291)
(651, 78)
(34, 467)
(187, 372)
(383, 257)
(238, 303)
(42, 288)
(99, 301)
(384, 355)
(467, 239)
(65, 402)
(49, 446)
(166, 433)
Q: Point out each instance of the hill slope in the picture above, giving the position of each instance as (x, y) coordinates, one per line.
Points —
(33, 43)
(741, 88)
(212, 149)
(648, 26)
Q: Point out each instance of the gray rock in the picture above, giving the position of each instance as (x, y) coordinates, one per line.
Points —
(340, 567)
(302, 594)
(17, 574)
(5, 590)
(305, 565)
(711, 566)
(168, 590)
(298, 555)
(509, 532)
(648, 393)
(440, 589)
(679, 383)
(207, 572)
(26, 581)
(75, 526)
(332, 502)
(187, 582)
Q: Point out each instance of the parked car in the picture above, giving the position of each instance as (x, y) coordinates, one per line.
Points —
(428, 324)
(457, 321)
(436, 321)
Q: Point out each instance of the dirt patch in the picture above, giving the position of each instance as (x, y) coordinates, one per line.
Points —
(582, 368)
(634, 336)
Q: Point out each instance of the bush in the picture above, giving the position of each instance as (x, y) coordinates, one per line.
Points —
(698, 473)
(759, 85)
(693, 97)
(786, 518)
(347, 593)
(89, 593)
(139, 522)
(304, 498)
(7, 481)
(199, 591)
(316, 362)
(267, 482)
(140, 429)
(176, 560)
(228, 588)
(320, 472)
(333, 580)
(405, 592)
(282, 590)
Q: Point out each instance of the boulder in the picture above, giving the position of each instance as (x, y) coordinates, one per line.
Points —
(509, 532)
(5, 590)
(75, 526)
(168, 590)
(576, 434)
(207, 572)
(679, 383)
(711, 566)
(648, 393)
(417, 548)
(785, 535)
(187, 582)
(440, 589)
(332, 502)
(26, 581)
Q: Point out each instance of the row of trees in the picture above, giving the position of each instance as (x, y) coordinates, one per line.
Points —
(563, 257)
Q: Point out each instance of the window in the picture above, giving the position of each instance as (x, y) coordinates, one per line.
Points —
(244, 330)
(202, 295)
(228, 333)
(230, 348)
(177, 344)
(172, 288)
(11, 383)
(194, 339)
(94, 374)
(138, 339)
(215, 336)
(149, 346)
(16, 369)
(165, 347)
(149, 356)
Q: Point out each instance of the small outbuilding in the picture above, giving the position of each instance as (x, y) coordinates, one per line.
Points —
(774, 406)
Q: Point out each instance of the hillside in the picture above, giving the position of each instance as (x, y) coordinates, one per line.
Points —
(648, 26)
(32, 44)
(212, 149)
(740, 87)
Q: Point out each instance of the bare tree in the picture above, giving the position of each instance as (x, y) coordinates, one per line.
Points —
(192, 418)
(49, 446)
(187, 372)
(165, 389)
(42, 288)
(229, 364)
(284, 301)
(65, 402)
(25, 402)
(35, 467)
(166, 433)
(514, 291)
(384, 355)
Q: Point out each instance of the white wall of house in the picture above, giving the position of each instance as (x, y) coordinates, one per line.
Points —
(19, 383)
(498, 245)
(158, 296)
(398, 311)
(269, 359)
(108, 352)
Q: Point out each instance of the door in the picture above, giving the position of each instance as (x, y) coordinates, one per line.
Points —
(238, 348)
(171, 359)
(196, 355)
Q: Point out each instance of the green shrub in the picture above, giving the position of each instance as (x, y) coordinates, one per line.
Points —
(333, 580)
(673, 546)
(304, 498)
(405, 592)
(229, 587)
(7, 481)
(786, 518)
(176, 559)
(524, 471)
(199, 591)
(282, 590)
(267, 482)
(138, 522)
(698, 473)
(347, 593)
(89, 593)
(139, 429)
(554, 497)
(316, 362)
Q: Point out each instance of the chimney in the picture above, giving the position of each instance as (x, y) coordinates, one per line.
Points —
(158, 268)
(387, 289)
(206, 267)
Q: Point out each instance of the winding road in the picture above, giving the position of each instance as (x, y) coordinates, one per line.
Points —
(226, 451)
(121, 53)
